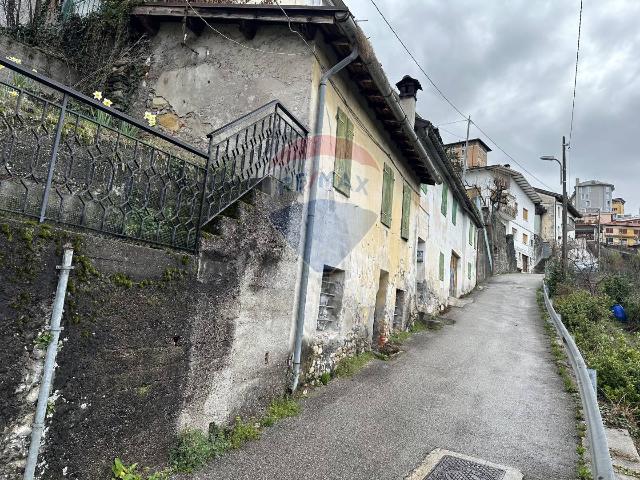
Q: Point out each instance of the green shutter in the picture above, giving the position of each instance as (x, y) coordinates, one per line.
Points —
(441, 267)
(406, 211)
(424, 187)
(470, 233)
(344, 151)
(445, 199)
(387, 196)
(469, 270)
(454, 211)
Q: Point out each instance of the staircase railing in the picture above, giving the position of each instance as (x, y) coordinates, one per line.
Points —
(268, 142)
(70, 159)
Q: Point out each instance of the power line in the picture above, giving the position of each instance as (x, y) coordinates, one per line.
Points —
(575, 78)
(416, 62)
(447, 99)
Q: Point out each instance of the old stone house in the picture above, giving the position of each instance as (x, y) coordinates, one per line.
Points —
(517, 204)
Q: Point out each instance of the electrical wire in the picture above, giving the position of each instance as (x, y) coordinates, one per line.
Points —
(240, 44)
(575, 78)
(447, 99)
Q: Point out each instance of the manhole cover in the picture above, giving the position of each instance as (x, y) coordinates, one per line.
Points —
(453, 468)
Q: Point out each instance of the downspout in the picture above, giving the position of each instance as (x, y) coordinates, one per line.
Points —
(49, 365)
(311, 214)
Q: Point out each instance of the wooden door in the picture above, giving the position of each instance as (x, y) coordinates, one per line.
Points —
(453, 284)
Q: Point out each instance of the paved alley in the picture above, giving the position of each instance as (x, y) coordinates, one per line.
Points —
(485, 387)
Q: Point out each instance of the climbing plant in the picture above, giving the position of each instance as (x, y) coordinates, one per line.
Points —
(93, 37)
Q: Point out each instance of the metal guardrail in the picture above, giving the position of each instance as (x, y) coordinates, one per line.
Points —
(71, 159)
(601, 465)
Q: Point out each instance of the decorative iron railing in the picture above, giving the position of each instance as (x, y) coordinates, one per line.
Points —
(70, 159)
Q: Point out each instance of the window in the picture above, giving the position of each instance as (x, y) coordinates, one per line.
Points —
(387, 195)
(469, 270)
(406, 210)
(514, 232)
(525, 239)
(525, 214)
(608, 230)
(444, 204)
(344, 151)
(623, 231)
(441, 267)
(470, 233)
(454, 211)
(636, 232)
(330, 298)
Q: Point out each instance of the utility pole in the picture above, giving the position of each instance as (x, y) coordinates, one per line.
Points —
(465, 160)
(565, 255)
(598, 236)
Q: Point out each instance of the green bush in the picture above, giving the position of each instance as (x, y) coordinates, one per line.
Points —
(580, 306)
(554, 276)
(280, 408)
(617, 287)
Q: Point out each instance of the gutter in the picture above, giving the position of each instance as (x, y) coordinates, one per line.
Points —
(311, 215)
(356, 37)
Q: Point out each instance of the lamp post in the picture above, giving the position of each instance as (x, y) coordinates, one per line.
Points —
(563, 180)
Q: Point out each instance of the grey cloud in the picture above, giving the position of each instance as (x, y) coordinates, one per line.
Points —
(510, 65)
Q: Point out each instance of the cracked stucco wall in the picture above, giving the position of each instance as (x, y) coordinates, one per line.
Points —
(200, 85)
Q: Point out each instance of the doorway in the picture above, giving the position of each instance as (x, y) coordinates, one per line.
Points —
(379, 312)
(453, 283)
(525, 264)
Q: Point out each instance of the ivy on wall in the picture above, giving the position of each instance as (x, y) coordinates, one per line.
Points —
(94, 37)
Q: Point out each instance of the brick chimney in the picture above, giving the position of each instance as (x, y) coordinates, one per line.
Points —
(409, 87)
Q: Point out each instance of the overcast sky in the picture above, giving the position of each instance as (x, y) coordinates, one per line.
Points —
(510, 65)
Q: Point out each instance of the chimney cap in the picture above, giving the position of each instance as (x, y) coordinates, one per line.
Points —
(408, 87)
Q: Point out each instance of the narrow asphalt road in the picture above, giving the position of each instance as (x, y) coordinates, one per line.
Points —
(485, 386)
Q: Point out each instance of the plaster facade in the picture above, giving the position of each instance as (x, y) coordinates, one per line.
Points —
(520, 219)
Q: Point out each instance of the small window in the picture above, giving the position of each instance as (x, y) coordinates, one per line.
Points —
(406, 211)
(471, 233)
(387, 196)
(525, 239)
(514, 232)
(454, 211)
(330, 298)
(398, 312)
(469, 270)
(525, 214)
(441, 267)
(444, 204)
(344, 152)
(608, 230)
(623, 231)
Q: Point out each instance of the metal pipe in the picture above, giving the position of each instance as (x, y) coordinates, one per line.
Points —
(601, 465)
(49, 364)
(53, 158)
(311, 214)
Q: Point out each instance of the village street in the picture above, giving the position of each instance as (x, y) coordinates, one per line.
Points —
(485, 387)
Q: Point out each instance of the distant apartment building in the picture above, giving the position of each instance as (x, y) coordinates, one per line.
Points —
(618, 206)
(593, 196)
(624, 233)
(477, 156)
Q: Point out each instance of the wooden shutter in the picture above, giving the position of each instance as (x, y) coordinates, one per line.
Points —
(454, 211)
(470, 233)
(469, 271)
(387, 196)
(344, 152)
(406, 211)
(441, 267)
(445, 199)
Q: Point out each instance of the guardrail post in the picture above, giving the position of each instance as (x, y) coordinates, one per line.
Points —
(54, 156)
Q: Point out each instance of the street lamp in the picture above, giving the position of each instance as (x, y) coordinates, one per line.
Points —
(563, 180)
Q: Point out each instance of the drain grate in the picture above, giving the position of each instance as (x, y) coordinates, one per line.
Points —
(453, 468)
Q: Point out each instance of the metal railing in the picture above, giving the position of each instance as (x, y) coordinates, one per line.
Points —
(601, 465)
(67, 158)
